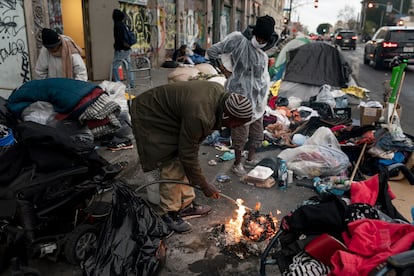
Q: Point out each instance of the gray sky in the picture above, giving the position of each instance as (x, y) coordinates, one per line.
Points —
(327, 12)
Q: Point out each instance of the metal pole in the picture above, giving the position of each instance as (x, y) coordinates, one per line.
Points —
(401, 6)
(364, 15)
(290, 10)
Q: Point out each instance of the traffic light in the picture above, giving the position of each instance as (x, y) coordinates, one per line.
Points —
(370, 5)
(316, 4)
(285, 21)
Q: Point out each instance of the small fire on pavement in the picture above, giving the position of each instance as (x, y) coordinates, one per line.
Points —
(247, 233)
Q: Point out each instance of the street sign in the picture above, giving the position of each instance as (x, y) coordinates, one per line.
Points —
(286, 9)
(389, 7)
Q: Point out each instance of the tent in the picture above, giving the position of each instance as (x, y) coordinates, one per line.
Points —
(277, 70)
(317, 63)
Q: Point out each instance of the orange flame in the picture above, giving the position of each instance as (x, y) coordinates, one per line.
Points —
(233, 227)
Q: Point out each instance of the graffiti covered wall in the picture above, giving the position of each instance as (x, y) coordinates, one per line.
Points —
(14, 56)
(155, 28)
(193, 27)
(168, 30)
(139, 19)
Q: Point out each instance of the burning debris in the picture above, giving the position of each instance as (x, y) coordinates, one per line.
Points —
(258, 227)
(247, 234)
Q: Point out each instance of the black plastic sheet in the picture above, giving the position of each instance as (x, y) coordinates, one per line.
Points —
(132, 239)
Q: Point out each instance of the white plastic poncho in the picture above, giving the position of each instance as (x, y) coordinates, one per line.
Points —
(250, 75)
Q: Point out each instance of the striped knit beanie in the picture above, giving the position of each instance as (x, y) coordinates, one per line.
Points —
(239, 106)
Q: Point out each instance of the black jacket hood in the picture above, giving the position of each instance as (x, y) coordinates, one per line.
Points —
(118, 15)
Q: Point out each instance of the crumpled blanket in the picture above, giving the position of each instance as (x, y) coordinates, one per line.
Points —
(101, 117)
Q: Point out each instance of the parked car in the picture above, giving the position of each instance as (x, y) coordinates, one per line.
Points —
(390, 42)
(345, 39)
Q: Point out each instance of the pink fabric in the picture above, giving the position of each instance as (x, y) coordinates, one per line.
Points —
(370, 242)
(367, 191)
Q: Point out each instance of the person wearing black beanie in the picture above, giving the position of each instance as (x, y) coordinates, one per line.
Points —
(50, 38)
(247, 74)
(60, 57)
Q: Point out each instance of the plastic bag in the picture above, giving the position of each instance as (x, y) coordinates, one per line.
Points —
(325, 95)
(39, 112)
(323, 136)
(132, 239)
(320, 155)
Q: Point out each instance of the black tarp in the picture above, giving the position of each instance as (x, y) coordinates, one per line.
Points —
(132, 241)
(317, 64)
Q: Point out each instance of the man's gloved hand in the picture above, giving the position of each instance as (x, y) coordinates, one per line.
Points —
(210, 191)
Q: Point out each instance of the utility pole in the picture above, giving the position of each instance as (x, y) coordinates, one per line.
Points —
(364, 16)
(290, 10)
(401, 6)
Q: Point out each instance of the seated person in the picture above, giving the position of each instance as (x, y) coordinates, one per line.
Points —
(181, 55)
(199, 50)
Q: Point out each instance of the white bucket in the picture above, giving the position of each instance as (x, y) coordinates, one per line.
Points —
(153, 191)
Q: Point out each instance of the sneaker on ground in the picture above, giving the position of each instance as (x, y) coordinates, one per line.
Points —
(176, 223)
(195, 210)
(120, 146)
(238, 170)
(251, 163)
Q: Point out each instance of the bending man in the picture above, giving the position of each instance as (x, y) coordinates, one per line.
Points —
(169, 123)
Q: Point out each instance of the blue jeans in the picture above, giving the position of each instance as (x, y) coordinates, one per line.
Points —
(118, 57)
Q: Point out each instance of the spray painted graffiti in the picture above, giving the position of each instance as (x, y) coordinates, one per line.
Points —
(139, 18)
(170, 20)
(200, 17)
(193, 27)
(14, 58)
(224, 23)
(55, 16)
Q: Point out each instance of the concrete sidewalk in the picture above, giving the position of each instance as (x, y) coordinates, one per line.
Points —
(198, 252)
(195, 253)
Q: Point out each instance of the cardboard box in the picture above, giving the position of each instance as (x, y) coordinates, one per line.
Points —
(266, 183)
(370, 115)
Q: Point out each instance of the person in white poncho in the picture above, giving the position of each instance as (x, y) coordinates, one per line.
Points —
(247, 75)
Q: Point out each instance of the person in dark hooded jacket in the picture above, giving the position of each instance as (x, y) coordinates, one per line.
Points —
(122, 48)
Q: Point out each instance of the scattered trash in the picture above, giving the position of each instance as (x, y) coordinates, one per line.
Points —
(212, 162)
(223, 178)
(222, 148)
(227, 156)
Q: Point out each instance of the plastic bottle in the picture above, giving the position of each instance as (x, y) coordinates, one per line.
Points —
(282, 174)
(290, 177)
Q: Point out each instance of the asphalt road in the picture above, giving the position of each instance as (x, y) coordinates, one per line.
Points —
(373, 80)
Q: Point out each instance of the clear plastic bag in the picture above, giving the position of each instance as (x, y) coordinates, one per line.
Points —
(325, 95)
(320, 155)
